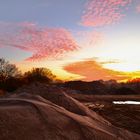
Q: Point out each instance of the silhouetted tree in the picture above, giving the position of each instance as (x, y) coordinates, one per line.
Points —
(9, 76)
(40, 74)
(8, 70)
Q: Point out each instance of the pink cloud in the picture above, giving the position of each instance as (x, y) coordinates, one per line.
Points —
(44, 43)
(90, 38)
(138, 9)
(104, 12)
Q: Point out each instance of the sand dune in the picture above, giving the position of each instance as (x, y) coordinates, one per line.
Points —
(31, 117)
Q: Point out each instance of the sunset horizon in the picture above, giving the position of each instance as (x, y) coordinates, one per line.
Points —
(77, 40)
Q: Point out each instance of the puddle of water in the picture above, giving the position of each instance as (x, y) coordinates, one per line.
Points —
(127, 102)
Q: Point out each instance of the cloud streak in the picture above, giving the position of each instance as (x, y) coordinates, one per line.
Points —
(104, 12)
(43, 43)
(92, 70)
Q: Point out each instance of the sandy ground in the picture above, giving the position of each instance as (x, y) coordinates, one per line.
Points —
(124, 116)
(31, 117)
(43, 112)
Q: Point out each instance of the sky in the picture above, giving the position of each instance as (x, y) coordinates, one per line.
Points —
(77, 39)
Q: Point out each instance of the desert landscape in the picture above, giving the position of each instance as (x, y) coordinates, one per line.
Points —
(69, 69)
(41, 111)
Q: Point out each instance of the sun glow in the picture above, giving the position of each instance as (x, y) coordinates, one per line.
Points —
(124, 49)
(125, 67)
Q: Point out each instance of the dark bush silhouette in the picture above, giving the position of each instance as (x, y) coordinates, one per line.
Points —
(8, 70)
(100, 87)
(39, 74)
(125, 91)
(11, 84)
(94, 87)
(9, 76)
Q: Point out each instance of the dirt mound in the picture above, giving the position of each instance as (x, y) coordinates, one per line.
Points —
(31, 117)
(59, 97)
